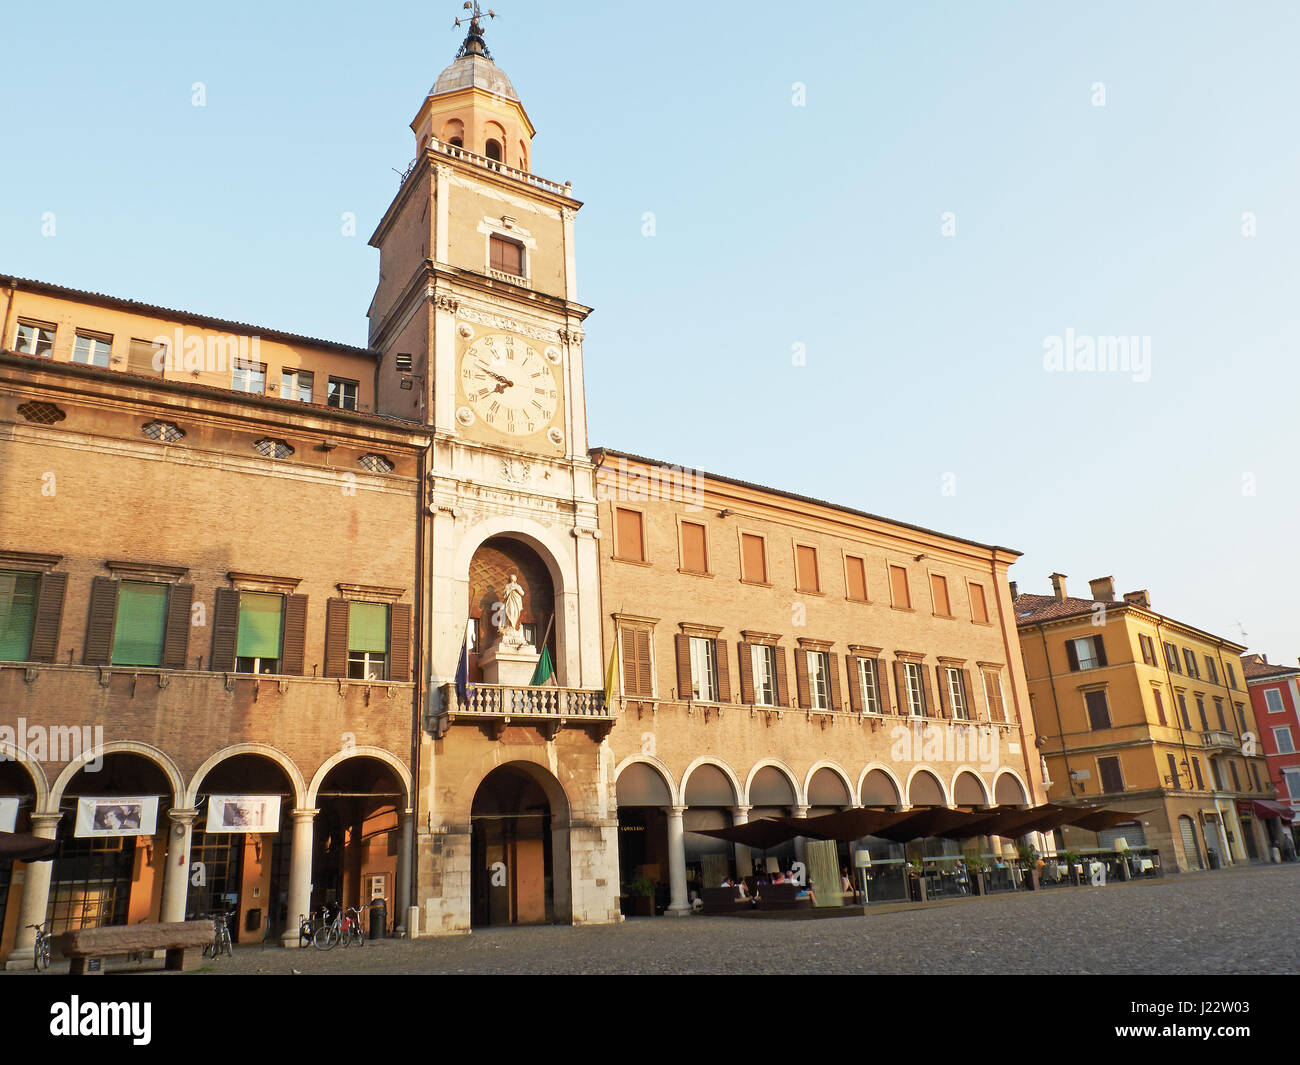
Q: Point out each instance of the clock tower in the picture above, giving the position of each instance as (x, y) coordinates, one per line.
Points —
(479, 332)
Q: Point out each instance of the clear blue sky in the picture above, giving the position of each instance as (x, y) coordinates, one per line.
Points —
(775, 225)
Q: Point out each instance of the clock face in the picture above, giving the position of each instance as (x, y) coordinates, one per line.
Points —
(509, 384)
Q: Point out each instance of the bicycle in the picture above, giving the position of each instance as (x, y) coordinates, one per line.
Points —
(221, 943)
(343, 929)
(41, 948)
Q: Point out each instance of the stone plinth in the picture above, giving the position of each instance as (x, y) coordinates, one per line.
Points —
(513, 667)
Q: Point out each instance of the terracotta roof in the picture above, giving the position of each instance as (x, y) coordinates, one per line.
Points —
(1255, 668)
(1032, 609)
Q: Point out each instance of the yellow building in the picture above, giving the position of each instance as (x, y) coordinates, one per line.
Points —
(1141, 712)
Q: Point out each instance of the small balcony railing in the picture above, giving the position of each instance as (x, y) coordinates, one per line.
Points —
(1217, 739)
(549, 708)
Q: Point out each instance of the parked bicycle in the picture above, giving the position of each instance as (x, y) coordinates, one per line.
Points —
(343, 929)
(221, 943)
(41, 952)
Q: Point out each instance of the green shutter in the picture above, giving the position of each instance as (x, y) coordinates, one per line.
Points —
(260, 614)
(17, 615)
(141, 621)
(368, 627)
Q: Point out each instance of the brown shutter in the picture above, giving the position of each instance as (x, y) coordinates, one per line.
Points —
(336, 637)
(1072, 655)
(1101, 653)
(855, 684)
(900, 687)
(225, 629)
(685, 689)
(971, 710)
(945, 700)
(882, 685)
(103, 618)
(399, 642)
(176, 634)
(294, 652)
(801, 677)
(49, 615)
(724, 673)
(931, 707)
(627, 656)
(837, 690)
(644, 672)
(745, 663)
(782, 677)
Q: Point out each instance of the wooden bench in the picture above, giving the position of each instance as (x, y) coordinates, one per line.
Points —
(183, 941)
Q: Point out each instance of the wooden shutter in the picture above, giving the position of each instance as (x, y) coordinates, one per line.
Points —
(1072, 655)
(294, 648)
(857, 578)
(685, 689)
(971, 710)
(900, 688)
(1101, 651)
(753, 564)
(806, 559)
(945, 696)
(628, 527)
(782, 677)
(978, 603)
(627, 656)
(931, 707)
(837, 692)
(724, 673)
(225, 628)
(49, 615)
(399, 642)
(336, 637)
(939, 594)
(99, 626)
(855, 683)
(644, 672)
(801, 677)
(882, 685)
(898, 587)
(745, 663)
(695, 556)
(176, 631)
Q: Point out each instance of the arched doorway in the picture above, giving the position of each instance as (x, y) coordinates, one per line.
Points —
(518, 846)
(17, 800)
(772, 794)
(709, 801)
(643, 860)
(494, 562)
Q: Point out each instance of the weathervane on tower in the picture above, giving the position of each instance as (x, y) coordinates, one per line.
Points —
(474, 43)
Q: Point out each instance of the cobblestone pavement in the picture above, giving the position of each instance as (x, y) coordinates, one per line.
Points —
(1232, 921)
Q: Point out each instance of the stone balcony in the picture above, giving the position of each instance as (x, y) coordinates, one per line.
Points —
(549, 709)
(1216, 739)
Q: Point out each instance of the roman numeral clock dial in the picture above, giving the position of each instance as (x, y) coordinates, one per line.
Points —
(510, 386)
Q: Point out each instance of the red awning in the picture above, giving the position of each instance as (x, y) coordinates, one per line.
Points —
(1266, 808)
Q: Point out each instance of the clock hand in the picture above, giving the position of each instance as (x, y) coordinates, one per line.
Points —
(508, 383)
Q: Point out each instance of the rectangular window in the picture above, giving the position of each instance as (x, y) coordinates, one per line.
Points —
(1241, 716)
(993, 695)
(1189, 658)
(1236, 780)
(18, 593)
(1282, 738)
(249, 377)
(806, 577)
(1232, 675)
(704, 669)
(1098, 710)
(898, 590)
(855, 570)
(1218, 710)
(257, 646)
(1273, 700)
(630, 544)
(34, 338)
(92, 349)
(141, 624)
(1200, 709)
(753, 558)
(1148, 646)
(297, 385)
(1211, 670)
(819, 680)
(1160, 708)
(1182, 710)
(868, 681)
(1254, 771)
(1196, 770)
(915, 690)
(507, 256)
(939, 595)
(695, 556)
(763, 660)
(957, 693)
(1085, 653)
(638, 674)
(367, 641)
(1112, 779)
(1174, 780)
(342, 394)
(979, 605)
(1171, 658)
(1216, 774)
(146, 357)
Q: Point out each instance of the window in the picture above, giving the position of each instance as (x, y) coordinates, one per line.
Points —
(1282, 738)
(261, 616)
(507, 256)
(1241, 715)
(979, 606)
(368, 641)
(493, 151)
(375, 463)
(1236, 780)
(695, 555)
(1254, 772)
(1200, 709)
(1160, 707)
(1232, 675)
(18, 593)
(753, 558)
(1291, 777)
(1218, 710)
(1098, 710)
(939, 595)
(819, 680)
(1211, 670)
(855, 578)
(1111, 778)
(273, 449)
(638, 673)
(993, 695)
(763, 660)
(1148, 646)
(1182, 710)
(704, 669)
(342, 394)
(92, 349)
(1196, 769)
(806, 577)
(898, 590)
(1273, 700)
(1171, 658)
(146, 357)
(868, 684)
(1174, 780)
(141, 624)
(1085, 653)
(629, 543)
(915, 690)
(957, 693)
(1216, 774)
(1189, 657)
(163, 432)
(34, 338)
(297, 385)
(249, 377)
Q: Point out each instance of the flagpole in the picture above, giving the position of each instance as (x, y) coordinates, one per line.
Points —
(549, 622)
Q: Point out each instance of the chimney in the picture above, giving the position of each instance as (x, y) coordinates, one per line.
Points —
(1014, 590)
(1141, 598)
(1058, 586)
(1103, 589)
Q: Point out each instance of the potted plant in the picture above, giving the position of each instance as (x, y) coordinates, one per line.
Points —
(1028, 858)
(977, 869)
(917, 887)
(1073, 863)
(640, 897)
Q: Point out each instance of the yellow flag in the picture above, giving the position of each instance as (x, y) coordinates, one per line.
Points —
(611, 676)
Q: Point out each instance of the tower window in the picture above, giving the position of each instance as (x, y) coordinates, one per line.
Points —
(507, 256)
(493, 151)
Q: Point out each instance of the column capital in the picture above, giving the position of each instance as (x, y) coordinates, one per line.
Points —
(304, 815)
(741, 809)
(800, 810)
(182, 817)
(45, 824)
(677, 811)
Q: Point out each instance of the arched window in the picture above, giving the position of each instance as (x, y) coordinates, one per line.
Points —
(494, 151)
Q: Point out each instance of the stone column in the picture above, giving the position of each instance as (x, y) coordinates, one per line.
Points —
(176, 875)
(402, 894)
(299, 874)
(800, 848)
(744, 858)
(36, 896)
(678, 905)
